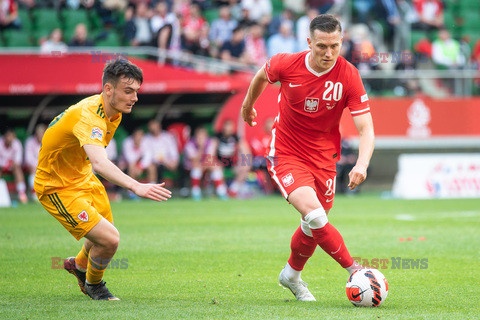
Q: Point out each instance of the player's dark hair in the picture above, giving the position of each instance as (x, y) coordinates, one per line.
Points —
(118, 68)
(325, 23)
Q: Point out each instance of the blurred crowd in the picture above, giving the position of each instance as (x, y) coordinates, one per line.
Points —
(196, 164)
(250, 31)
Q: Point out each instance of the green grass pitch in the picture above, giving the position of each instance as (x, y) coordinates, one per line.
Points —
(221, 260)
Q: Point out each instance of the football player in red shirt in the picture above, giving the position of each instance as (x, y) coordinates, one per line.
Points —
(316, 85)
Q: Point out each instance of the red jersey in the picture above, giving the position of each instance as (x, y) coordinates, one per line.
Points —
(310, 107)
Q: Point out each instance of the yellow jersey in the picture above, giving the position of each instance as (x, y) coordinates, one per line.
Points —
(62, 161)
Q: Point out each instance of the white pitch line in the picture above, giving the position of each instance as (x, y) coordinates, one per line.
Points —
(439, 215)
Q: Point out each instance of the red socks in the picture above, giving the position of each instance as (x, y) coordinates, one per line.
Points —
(302, 247)
(331, 241)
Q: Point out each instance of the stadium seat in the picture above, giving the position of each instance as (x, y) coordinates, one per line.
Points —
(17, 38)
(70, 18)
(44, 21)
(25, 19)
(210, 15)
(277, 6)
(21, 134)
(471, 5)
(471, 20)
(107, 39)
(416, 36)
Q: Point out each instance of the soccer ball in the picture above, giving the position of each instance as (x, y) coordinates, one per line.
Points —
(367, 288)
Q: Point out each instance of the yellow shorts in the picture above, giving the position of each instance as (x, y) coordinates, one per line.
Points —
(78, 210)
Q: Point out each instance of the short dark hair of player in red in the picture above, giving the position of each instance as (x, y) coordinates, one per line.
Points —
(325, 23)
(118, 68)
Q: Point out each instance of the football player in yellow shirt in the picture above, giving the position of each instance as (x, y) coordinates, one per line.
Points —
(73, 144)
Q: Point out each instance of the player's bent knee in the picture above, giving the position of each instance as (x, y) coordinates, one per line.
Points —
(114, 240)
(104, 234)
(317, 218)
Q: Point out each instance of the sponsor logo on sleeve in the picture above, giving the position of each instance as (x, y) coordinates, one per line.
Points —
(364, 98)
(287, 180)
(97, 133)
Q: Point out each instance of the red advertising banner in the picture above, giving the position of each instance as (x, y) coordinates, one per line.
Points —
(416, 120)
(82, 74)
(421, 117)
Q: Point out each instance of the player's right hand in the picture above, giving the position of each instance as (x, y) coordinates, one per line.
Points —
(248, 115)
(152, 191)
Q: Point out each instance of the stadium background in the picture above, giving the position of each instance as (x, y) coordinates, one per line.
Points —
(221, 259)
(418, 105)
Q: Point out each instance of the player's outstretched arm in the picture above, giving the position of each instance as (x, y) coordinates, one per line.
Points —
(258, 84)
(366, 145)
(104, 167)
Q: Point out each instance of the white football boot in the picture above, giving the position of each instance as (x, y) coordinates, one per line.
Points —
(298, 288)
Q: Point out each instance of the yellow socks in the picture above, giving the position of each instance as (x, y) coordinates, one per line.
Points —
(81, 259)
(95, 269)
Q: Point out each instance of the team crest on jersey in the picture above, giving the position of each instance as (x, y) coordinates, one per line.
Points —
(287, 180)
(83, 216)
(97, 133)
(311, 104)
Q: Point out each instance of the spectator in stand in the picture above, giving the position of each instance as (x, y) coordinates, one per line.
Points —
(165, 27)
(11, 152)
(32, 148)
(9, 15)
(255, 46)
(363, 8)
(222, 28)
(112, 151)
(258, 146)
(282, 42)
(138, 156)
(285, 16)
(260, 11)
(391, 15)
(220, 3)
(199, 158)
(476, 54)
(234, 154)
(430, 14)
(164, 148)
(321, 5)
(298, 7)
(244, 19)
(363, 48)
(235, 9)
(407, 86)
(446, 53)
(347, 46)
(344, 166)
(137, 25)
(234, 50)
(475, 58)
(192, 27)
(303, 30)
(80, 37)
(54, 44)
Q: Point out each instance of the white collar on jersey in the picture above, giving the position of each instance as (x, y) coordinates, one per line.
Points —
(318, 74)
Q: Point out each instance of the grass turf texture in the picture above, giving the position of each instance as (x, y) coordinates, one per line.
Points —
(220, 260)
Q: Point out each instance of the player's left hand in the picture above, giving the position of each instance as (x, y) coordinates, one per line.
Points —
(152, 191)
(249, 115)
(357, 176)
